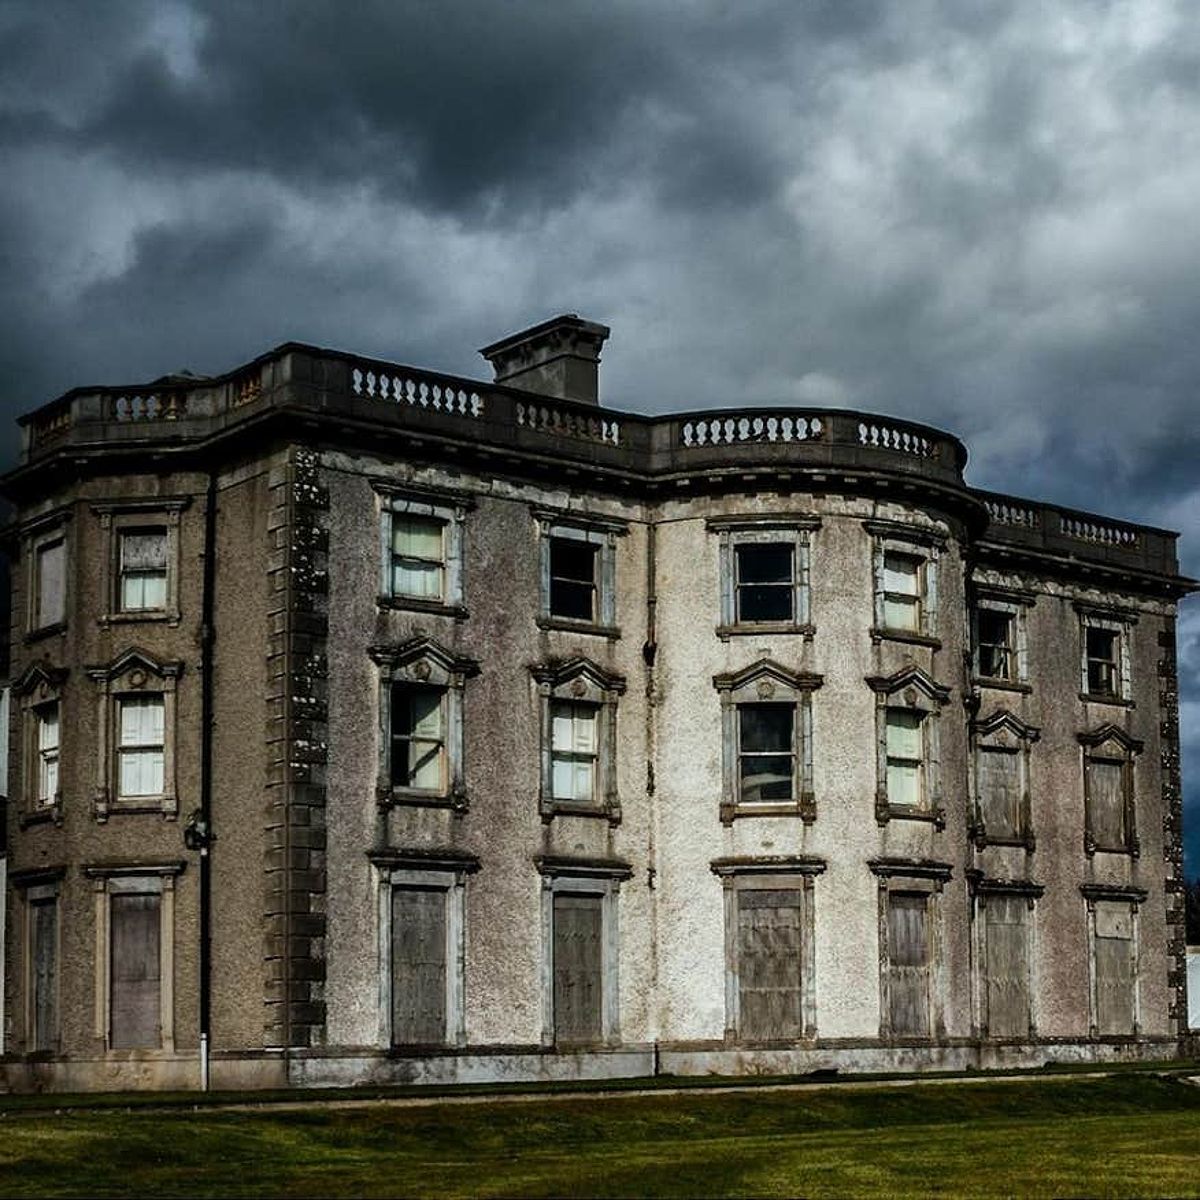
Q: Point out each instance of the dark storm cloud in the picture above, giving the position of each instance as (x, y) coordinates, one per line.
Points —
(980, 216)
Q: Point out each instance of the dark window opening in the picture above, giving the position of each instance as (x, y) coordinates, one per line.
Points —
(418, 738)
(573, 579)
(996, 657)
(765, 582)
(1102, 661)
(766, 753)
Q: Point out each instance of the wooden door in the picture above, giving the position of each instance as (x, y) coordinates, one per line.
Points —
(908, 964)
(769, 965)
(1114, 968)
(418, 966)
(43, 940)
(578, 967)
(135, 991)
(1007, 928)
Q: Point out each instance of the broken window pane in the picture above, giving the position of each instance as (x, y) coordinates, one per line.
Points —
(995, 649)
(765, 581)
(1103, 649)
(766, 752)
(573, 579)
(418, 739)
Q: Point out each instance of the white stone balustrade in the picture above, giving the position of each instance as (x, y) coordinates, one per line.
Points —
(895, 437)
(1009, 512)
(415, 392)
(758, 427)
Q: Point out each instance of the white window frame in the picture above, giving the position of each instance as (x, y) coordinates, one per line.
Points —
(429, 872)
(450, 510)
(580, 681)
(153, 514)
(1110, 743)
(1134, 897)
(910, 689)
(913, 876)
(423, 662)
(39, 687)
(783, 873)
(124, 749)
(767, 682)
(593, 529)
(142, 879)
(924, 545)
(134, 674)
(1119, 622)
(1004, 733)
(784, 529)
(599, 877)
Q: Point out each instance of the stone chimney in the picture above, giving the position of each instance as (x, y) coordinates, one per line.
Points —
(559, 358)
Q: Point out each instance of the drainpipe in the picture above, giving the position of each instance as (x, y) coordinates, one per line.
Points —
(203, 830)
(649, 654)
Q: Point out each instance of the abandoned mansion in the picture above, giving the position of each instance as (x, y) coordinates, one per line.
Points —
(374, 725)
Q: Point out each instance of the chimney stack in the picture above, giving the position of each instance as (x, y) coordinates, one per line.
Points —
(559, 357)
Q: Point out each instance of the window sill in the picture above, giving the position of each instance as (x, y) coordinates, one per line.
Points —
(805, 808)
(46, 631)
(1106, 698)
(163, 806)
(904, 635)
(148, 616)
(981, 840)
(755, 628)
(1002, 685)
(389, 797)
(47, 814)
(885, 812)
(609, 811)
(1132, 850)
(567, 625)
(437, 608)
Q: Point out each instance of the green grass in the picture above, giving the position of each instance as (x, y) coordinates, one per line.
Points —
(1128, 1134)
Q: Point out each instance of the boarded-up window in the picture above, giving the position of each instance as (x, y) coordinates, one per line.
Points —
(1115, 976)
(1106, 780)
(578, 960)
(135, 983)
(999, 781)
(769, 964)
(1007, 933)
(143, 570)
(418, 966)
(49, 603)
(908, 964)
(43, 951)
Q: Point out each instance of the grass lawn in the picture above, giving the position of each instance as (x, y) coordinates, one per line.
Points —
(1124, 1135)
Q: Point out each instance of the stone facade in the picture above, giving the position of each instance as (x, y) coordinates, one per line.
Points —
(489, 734)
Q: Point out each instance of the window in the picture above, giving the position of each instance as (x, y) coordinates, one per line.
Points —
(767, 741)
(1004, 917)
(581, 1003)
(39, 692)
(579, 740)
(136, 754)
(143, 570)
(140, 754)
(764, 563)
(574, 751)
(578, 566)
(905, 580)
(1001, 808)
(905, 758)
(421, 924)
(1108, 776)
(50, 583)
(769, 950)
(1104, 637)
(135, 954)
(908, 705)
(40, 940)
(1113, 961)
(910, 949)
(140, 570)
(998, 638)
(422, 550)
(418, 754)
(47, 753)
(421, 686)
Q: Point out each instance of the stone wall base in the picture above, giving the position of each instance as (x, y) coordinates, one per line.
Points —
(332, 1068)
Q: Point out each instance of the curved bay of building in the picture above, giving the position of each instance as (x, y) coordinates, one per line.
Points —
(490, 734)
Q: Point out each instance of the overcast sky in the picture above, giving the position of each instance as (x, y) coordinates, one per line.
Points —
(984, 216)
